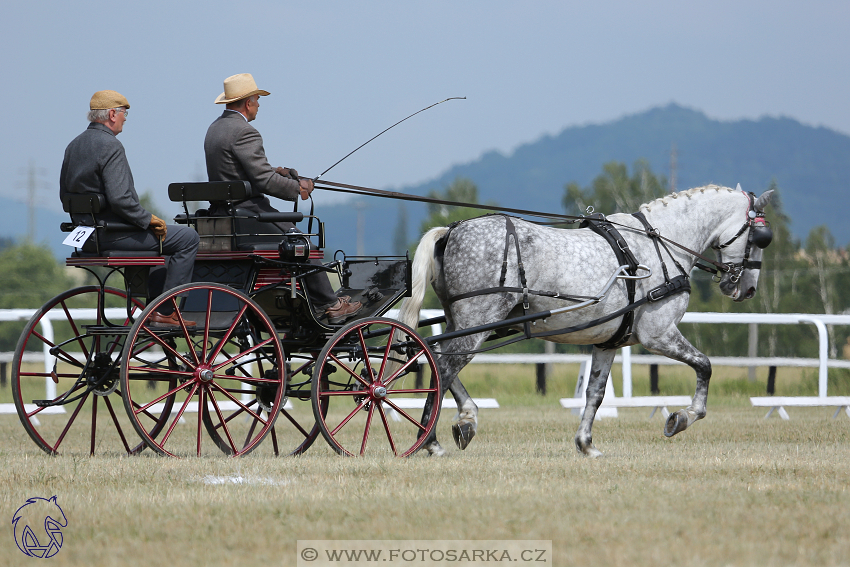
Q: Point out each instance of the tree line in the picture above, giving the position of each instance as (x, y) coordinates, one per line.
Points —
(811, 275)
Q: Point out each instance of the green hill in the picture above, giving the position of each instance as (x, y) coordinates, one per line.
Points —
(810, 165)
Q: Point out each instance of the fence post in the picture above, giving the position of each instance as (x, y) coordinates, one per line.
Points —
(417, 384)
(653, 380)
(752, 349)
(544, 368)
(3, 374)
(771, 380)
(541, 378)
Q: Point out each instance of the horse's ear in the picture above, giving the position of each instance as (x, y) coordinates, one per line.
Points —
(763, 200)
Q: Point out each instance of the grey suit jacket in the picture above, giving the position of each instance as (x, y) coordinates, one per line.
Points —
(95, 162)
(234, 151)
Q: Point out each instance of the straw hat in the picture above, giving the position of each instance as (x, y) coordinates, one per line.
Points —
(238, 87)
(102, 100)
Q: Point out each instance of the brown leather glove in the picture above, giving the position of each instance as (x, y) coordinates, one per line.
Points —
(287, 172)
(306, 188)
(158, 227)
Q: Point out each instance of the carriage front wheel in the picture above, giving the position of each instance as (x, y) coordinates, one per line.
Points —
(223, 375)
(376, 389)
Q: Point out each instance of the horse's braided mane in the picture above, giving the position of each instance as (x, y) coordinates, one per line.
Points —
(687, 193)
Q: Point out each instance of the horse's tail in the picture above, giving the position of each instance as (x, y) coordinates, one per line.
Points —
(423, 272)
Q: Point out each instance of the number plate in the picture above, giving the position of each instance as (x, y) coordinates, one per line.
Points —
(78, 236)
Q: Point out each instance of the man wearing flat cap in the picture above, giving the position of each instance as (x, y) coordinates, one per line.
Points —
(234, 152)
(95, 162)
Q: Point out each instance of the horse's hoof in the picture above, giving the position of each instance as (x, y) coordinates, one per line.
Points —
(463, 434)
(676, 423)
(434, 449)
(590, 451)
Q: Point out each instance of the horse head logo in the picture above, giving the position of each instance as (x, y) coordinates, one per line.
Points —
(38, 527)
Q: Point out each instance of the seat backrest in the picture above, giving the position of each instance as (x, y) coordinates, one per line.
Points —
(232, 191)
(84, 202)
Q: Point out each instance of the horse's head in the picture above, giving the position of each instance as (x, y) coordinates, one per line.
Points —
(741, 249)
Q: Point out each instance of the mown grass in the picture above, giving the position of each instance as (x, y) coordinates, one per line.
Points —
(735, 489)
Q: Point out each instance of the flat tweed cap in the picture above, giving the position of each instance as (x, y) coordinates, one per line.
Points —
(102, 100)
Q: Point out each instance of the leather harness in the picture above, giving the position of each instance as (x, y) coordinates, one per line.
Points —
(604, 228)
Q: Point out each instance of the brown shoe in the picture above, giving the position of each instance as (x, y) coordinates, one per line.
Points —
(342, 310)
(160, 320)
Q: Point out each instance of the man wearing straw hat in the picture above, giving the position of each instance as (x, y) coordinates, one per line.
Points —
(95, 162)
(234, 152)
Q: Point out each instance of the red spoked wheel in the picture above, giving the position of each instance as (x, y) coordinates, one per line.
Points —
(69, 401)
(224, 375)
(373, 377)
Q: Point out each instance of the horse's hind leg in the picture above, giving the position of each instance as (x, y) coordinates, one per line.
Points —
(599, 369)
(677, 347)
(466, 421)
(449, 366)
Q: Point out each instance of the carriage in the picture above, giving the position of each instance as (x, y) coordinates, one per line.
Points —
(259, 362)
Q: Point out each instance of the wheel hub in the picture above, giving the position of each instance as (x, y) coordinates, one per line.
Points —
(205, 375)
(104, 375)
(379, 392)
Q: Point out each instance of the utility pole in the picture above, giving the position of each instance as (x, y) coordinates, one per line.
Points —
(673, 165)
(32, 186)
(360, 206)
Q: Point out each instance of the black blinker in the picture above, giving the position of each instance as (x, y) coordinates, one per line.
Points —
(762, 236)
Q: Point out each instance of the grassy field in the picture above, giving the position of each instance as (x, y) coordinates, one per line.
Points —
(735, 489)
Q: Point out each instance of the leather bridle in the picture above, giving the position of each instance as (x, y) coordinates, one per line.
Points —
(759, 235)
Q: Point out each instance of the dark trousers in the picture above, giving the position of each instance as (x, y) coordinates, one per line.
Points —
(180, 247)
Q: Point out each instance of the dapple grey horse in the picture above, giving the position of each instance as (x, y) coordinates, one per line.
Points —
(577, 262)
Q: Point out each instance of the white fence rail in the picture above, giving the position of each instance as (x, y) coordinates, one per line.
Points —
(626, 358)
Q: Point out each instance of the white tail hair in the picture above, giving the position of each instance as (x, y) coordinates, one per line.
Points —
(423, 273)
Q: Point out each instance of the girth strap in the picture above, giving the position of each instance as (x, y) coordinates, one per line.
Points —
(598, 224)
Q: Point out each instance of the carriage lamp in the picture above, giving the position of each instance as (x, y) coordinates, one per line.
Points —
(294, 247)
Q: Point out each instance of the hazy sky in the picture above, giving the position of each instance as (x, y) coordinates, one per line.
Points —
(340, 72)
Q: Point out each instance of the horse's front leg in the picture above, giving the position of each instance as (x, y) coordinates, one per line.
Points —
(600, 367)
(677, 347)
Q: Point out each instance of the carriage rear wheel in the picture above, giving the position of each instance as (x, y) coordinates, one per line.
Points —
(373, 377)
(223, 375)
(69, 402)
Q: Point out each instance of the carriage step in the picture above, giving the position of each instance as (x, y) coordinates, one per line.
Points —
(106, 329)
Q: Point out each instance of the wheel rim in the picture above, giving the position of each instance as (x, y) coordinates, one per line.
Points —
(85, 376)
(366, 379)
(223, 376)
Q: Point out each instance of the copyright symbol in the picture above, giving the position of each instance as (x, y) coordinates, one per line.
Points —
(309, 554)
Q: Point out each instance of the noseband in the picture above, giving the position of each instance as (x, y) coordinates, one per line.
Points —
(759, 235)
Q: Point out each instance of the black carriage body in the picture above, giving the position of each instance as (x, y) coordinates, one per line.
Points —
(255, 254)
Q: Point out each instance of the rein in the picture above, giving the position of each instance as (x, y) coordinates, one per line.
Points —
(654, 233)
